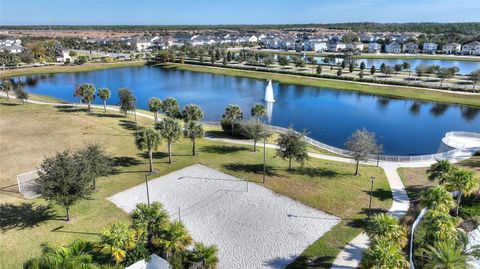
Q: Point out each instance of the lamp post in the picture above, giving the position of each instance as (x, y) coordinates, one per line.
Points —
(372, 178)
(146, 185)
(264, 158)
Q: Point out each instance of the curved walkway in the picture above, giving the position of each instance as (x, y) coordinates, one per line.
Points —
(351, 255)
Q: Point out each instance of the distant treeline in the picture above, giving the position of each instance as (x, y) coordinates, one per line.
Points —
(465, 28)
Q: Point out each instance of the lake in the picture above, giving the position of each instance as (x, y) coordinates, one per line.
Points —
(466, 67)
(405, 127)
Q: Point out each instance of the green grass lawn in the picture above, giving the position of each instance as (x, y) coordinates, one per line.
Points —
(390, 91)
(30, 132)
(67, 69)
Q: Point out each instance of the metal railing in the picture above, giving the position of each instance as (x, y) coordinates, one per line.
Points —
(387, 158)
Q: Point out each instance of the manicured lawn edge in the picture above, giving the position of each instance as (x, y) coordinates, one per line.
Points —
(389, 91)
(322, 253)
(67, 69)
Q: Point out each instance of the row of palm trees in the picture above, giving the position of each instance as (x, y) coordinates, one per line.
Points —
(151, 231)
(169, 128)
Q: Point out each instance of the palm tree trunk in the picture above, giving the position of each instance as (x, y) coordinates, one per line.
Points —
(254, 145)
(356, 168)
(67, 209)
(8, 96)
(289, 164)
(104, 106)
(193, 147)
(155, 116)
(459, 198)
(169, 152)
(89, 107)
(233, 126)
(150, 160)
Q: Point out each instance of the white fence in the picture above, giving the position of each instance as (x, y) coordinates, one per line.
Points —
(388, 158)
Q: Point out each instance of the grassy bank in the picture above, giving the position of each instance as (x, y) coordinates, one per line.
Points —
(418, 56)
(376, 56)
(390, 91)
(67, 68)
(31, 132)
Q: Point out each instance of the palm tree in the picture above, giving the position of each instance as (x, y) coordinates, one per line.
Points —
(232, 114)
(155, 105)
(171, 131)
(150, 218)
(446, 255)
(407, 66)
(464, 181)
(87, 93)
(206, 255)
(438, 198)
(148, 139)
(104, 94)
(116, 240)
(174, 238)
(75, 255)
(384, 253)
(257, 111)
(388, 227)
(440, 170)
(6, 86)
(192, 113)
(170, 107)
(193, 131)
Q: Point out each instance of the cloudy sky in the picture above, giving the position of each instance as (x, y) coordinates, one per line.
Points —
(18, 12)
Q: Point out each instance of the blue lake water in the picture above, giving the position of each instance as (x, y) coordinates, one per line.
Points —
(403, 126)
(465, 67)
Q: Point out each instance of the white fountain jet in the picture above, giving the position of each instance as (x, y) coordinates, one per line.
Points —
(269, 93)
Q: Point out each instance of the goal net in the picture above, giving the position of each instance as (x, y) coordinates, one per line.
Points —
(28, 185)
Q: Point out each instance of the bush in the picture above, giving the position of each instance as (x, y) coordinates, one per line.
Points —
(470, 207)
(227, 128)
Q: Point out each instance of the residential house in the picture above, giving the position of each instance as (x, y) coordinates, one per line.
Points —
(429, 47)
(355, 46)
(271, 42)
(367, 38)
(336, 46)
(374, 47)
(410, 47)
(393, 47)
(141, 44)
(63, 56)
(288, 43)
(317, 46)
(12, 46)
(472, 48)
(451, 48)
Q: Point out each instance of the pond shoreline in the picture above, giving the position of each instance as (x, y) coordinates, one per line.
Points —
(395, 91)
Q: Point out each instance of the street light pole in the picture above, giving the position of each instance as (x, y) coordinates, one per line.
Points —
(148, 194)
(372, 178)
(264, 158)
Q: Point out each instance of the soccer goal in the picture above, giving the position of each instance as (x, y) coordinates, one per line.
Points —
(28, 185)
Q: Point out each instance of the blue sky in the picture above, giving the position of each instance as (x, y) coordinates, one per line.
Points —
(17, 12)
